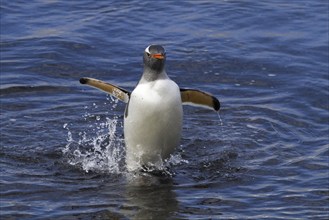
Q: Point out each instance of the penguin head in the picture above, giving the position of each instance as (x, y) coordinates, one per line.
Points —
(154, 59)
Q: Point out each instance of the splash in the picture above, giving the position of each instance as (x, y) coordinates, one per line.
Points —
(97, 148)
(100, 147)
(164, 167)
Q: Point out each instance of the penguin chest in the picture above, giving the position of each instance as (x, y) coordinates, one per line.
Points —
(153, 121)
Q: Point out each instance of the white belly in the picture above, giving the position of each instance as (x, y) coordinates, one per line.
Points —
(153, 124)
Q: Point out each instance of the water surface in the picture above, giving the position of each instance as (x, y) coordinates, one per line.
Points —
(264, 157)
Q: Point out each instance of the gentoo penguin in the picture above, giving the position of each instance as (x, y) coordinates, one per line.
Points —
(153, 115)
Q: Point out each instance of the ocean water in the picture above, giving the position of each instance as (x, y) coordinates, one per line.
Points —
(265, 156)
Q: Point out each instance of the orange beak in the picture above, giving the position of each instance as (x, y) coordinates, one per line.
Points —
(158, 56)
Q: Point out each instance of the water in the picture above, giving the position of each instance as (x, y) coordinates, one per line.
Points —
(264, 157)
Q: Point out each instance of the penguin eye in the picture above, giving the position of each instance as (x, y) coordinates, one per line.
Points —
(148, 54)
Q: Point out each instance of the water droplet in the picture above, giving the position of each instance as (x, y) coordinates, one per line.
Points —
(220, 119)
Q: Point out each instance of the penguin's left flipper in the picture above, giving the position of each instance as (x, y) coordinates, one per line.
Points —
(119, 93)
(199, 98)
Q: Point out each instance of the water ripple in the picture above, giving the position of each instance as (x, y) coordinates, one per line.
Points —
(264, 157)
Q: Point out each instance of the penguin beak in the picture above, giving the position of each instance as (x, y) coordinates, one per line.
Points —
(159, 56)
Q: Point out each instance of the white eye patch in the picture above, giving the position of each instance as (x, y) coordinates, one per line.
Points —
(147, 49)
(157, 48)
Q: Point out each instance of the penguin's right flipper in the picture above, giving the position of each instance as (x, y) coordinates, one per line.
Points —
(119, 93)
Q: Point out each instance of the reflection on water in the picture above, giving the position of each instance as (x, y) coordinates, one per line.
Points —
(152, 196)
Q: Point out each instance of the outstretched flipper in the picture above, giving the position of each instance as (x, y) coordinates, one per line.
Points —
(119, 93)
(199, 98)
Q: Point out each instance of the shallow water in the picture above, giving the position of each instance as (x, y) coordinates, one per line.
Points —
(264, 157)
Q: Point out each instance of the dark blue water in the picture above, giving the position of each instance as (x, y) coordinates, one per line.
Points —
(265, 157)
